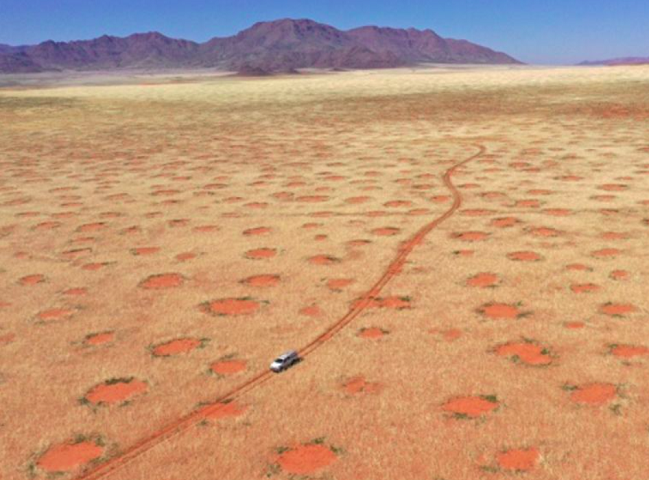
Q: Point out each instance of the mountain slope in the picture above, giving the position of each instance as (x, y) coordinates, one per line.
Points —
(286, 45)
(278, 46)
(18, 63)
(139, 50)
(620, 61)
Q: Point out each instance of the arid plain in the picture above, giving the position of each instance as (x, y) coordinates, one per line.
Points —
(461, 255)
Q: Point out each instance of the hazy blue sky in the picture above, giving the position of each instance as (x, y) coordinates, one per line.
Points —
(536, 31)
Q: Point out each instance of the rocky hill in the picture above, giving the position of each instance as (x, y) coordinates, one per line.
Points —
(266, 47)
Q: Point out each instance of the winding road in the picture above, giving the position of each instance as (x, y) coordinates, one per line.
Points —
(184, 423)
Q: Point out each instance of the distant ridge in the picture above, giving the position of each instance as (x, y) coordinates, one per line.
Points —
(266, 47)
(620, 61)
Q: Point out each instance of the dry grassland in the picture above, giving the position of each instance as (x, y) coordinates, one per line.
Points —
(161, 243)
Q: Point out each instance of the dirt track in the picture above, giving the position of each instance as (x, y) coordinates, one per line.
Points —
(183, 424)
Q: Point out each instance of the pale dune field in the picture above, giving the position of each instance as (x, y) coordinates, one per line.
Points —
(162, 241)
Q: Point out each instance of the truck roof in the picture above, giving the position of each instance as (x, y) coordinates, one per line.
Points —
(290, 353)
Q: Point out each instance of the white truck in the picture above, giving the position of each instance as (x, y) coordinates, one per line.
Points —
(284, 361)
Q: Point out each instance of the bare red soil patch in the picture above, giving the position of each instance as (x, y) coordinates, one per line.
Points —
(606, 252)
(311, 225)
(594, 394)
(449, 335)
(358, 385)
(499, 311)
(471, 406)
(377, 213)
(7, 338)
(311, 311)
(617, 309)
(101, 338)
(68, 457)
(75, 292)
(518, 460)
(207, 228)
(570, 178)
(268, 280)
(629, 351)
(232, 306)
(613, 187)
(306, 459)
(131, 230)
(483, 280)
(228, 367)
(47, 226)
(619, 275)
(574, 325)
(397, 203)
(93, 267)
(585, 288)
(528, 203)
(256, 205)
(183, 257)
(357, 200)
(528, 353)
(578, 267)
(338, 284)
(165, 192)
(358, 243)
(258, 231)
(55, 314)
(524, 256)
(32, 280)
(505, 222)
(117, 391)
(176, 347)
(179, 222)
(323, 260)
(261, 253)
(419, 211)
(162, 281)
(493, 195)
(386, 231)
(371, 333)
(91, 227)
(544, 232)
(30, 214)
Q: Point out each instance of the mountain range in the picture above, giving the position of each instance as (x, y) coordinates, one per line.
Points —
(620, 61)
(266, 47)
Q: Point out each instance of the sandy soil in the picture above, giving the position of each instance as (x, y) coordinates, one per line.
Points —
(161, 242)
